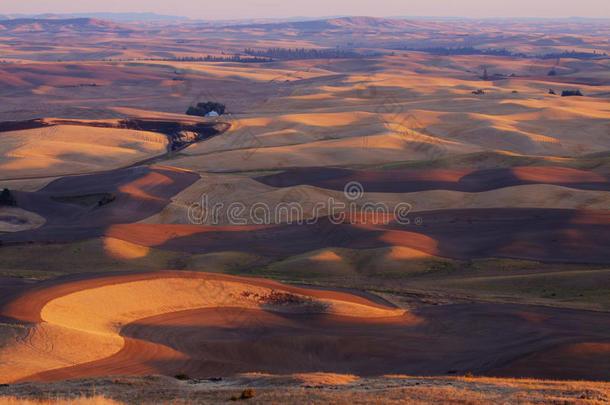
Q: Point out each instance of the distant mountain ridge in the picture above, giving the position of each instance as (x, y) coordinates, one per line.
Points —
(74, 25)
(358, 22)
(116, 17)
(436, 36)
(55, 23)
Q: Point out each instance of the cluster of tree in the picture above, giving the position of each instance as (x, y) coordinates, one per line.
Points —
(7, 199)
(302, 53)
(210, 58)
(202, 109)
(80, 85)
(468, 51)
(568, 93)
(444, 51)
(573, 55)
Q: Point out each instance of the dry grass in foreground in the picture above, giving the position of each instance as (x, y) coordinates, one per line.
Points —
(297, 389)
(97, 400)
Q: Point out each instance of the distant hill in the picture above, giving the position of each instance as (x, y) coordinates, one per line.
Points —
(70, 25)
(117, 17)
(345, 24)
(133, 17)
(124, 23)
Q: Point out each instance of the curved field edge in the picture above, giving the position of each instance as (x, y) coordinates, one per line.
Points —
(84, 325)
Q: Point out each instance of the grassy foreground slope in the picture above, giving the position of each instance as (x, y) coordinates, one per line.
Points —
(312, 388)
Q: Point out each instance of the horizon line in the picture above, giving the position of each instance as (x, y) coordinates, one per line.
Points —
(292, 18)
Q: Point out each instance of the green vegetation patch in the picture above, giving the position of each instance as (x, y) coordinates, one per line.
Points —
(36, 260)
(582, 288)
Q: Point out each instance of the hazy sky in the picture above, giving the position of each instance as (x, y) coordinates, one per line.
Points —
(233, 9)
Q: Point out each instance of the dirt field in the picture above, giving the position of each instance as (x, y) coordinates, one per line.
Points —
(62, 150)
(409, 181)
(518, 233)
(247, 325)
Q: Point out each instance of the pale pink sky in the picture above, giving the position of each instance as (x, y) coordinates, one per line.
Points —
(233, 9)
